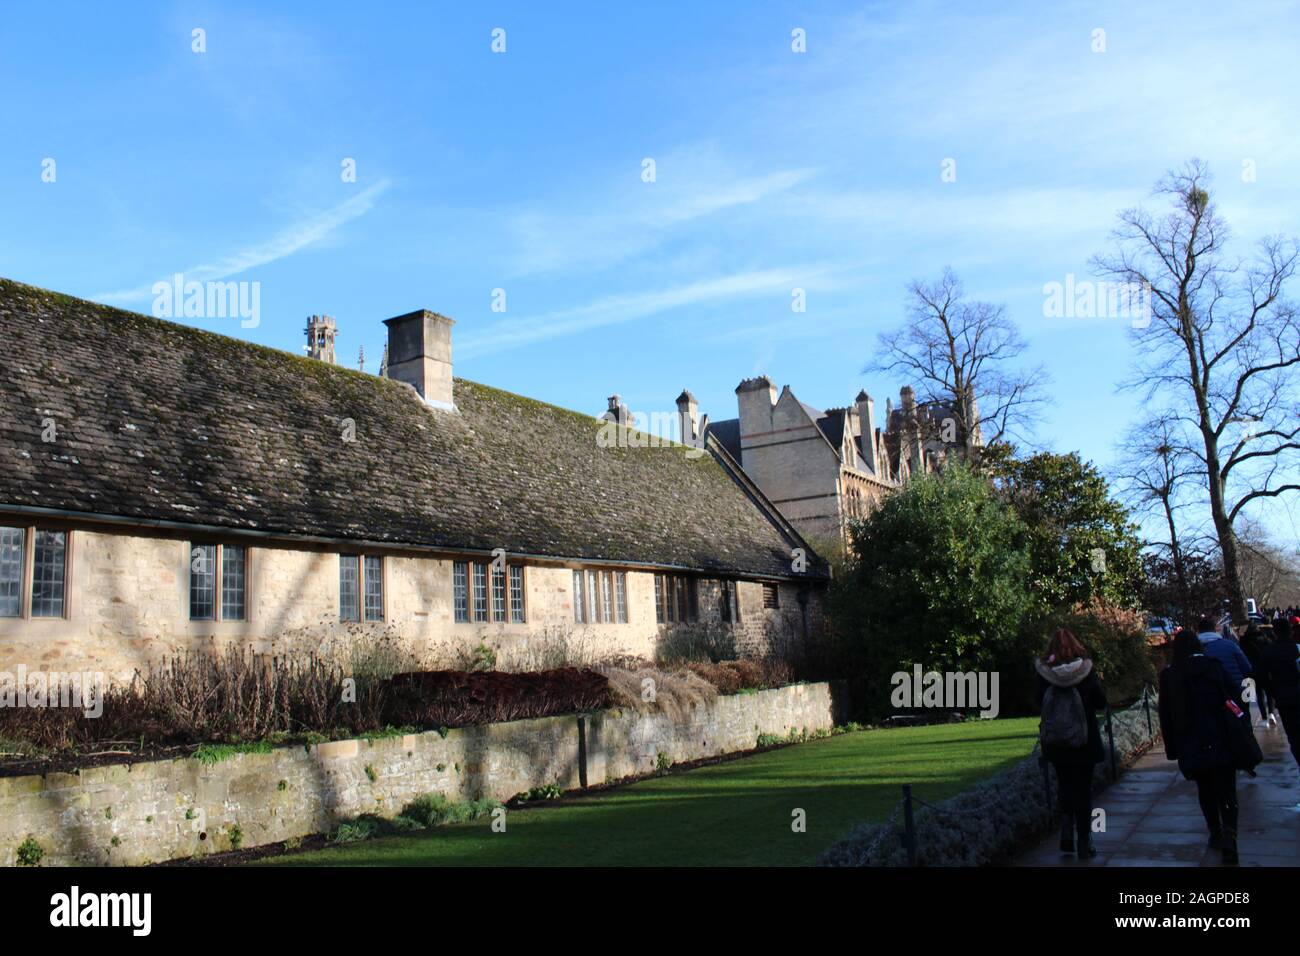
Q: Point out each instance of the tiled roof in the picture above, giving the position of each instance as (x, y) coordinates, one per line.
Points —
(160, 421)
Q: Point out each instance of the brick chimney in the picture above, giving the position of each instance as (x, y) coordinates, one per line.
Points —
(419, 353)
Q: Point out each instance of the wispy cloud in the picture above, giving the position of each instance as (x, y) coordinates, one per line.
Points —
(632, 218)
(282, 245)
(617, 309)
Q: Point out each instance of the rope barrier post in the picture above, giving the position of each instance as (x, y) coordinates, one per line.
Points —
(1146, 705)
(1110, 734)
(909, 825)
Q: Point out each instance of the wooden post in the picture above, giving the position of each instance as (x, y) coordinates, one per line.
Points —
(909, 825)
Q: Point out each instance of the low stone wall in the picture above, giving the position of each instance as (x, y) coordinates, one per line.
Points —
(130, 814)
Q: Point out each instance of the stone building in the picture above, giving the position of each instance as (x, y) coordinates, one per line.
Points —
(823, 469)
(164, 488)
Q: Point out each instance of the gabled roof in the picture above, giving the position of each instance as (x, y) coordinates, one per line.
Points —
(158, 421)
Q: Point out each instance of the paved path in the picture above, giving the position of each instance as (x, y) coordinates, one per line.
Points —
(1153, 819)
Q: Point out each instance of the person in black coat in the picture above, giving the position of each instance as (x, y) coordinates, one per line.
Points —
(1194, 691)
(1253, 643)
(1066, 666)
(1279, 664)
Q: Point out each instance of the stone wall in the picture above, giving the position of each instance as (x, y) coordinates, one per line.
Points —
(160, 810)
(128, 607)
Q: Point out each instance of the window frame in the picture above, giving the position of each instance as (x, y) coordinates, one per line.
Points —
(775, 591)
(515, 575)
(600, 596)
(676, 599)
(27, 571)
(499, 593)
(361, 602)
(20, 563)
(620, 597)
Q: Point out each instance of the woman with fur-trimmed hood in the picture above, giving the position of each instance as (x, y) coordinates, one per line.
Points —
(1069, 695)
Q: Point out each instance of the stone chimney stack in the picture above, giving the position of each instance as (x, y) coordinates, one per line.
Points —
(867, 418)
(419, 353)
(912, 431)
(616, 410)
(321, 331)
(688, 415)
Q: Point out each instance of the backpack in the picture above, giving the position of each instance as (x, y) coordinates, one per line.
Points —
(1064, 721)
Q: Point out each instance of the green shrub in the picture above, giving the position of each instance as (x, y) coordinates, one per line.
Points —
(236, 837)
(359, 828)
(548, 792)
(29, 852)
(662, 762)
(434, 809)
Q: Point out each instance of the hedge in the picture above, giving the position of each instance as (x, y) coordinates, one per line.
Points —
(988, 822)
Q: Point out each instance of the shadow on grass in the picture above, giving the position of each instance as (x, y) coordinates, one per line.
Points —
(733, 814)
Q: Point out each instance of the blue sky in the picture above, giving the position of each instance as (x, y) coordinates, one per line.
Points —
(522, 171)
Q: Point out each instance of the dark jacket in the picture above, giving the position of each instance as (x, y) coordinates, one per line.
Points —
(1078, 674)
(1279, 672)
(1228, 653)
(1193, 714)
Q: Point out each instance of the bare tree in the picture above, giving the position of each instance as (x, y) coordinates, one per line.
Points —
(1155, 469)
(959, 353)
(1222, 348)
(1267, 570)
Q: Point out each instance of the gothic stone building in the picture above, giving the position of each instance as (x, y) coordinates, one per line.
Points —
(163, 488)
(822, 469)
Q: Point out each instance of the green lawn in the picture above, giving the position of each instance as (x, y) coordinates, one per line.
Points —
(731, 814)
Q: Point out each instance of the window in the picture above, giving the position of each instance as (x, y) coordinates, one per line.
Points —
(11, 572)
(234, 573)
(728, 601)
(349, 587)
(46, 575)
(620, 595)
(460, 591)
(606, 597)
(203, 575)
(498, 594)
(600, 597)
(771, 596)
(218, 582)
(48, 563)
(675, 599)
(374, 587)
(517, 594)
(480, 592)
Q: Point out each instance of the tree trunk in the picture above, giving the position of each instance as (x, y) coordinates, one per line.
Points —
(1223, 529)
(1185, 609)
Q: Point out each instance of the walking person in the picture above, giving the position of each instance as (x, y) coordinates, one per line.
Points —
(1279, 666)
(1069, 695)
(1253, 643)
(1228, 653)
(1194, 692)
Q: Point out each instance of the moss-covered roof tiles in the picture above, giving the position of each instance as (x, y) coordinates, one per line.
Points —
(160, 421)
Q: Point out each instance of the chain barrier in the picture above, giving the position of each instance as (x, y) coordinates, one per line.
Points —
(911, 840)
